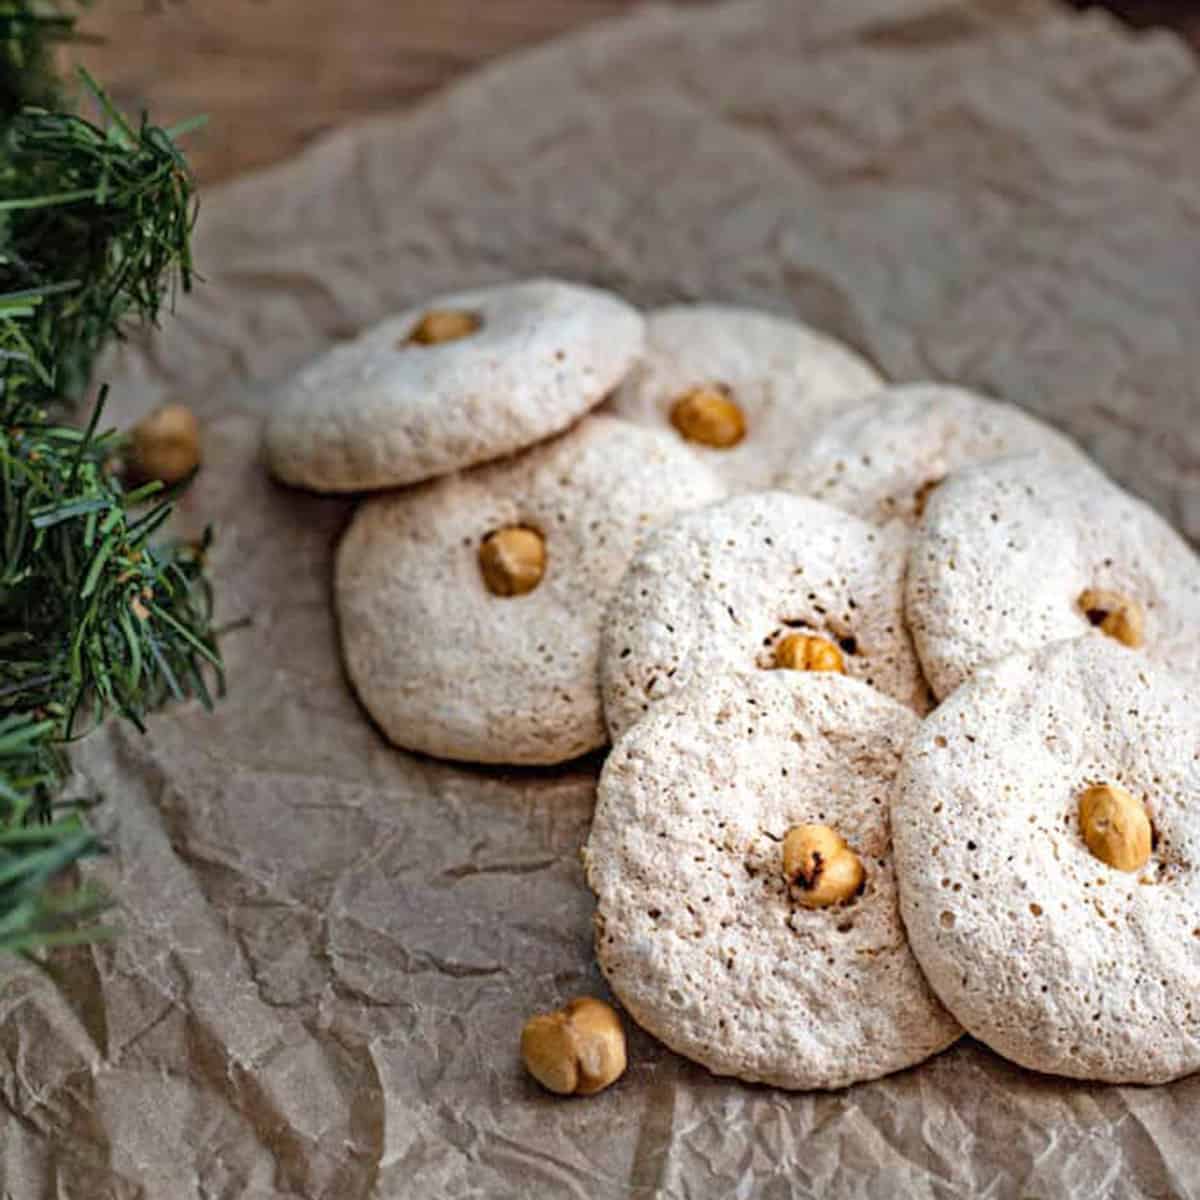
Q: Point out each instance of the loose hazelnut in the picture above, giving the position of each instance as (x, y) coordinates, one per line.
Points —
(803, 652)
(1115, 827)
(513, 560)
(440, 325)
(578, 1050)
(819, 864)
(164, 446)
(1119, 616)
(710, 416)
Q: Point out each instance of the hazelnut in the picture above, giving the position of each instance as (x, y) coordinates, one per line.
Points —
(578, 1050)
(164, 446)
(821, 866)
(803, 652)
(1119, 616)
(708, 415)
(440, 325)
(1115, 827)
(513, 560)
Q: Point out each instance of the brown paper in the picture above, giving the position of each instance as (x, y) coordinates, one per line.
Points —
(330, 945)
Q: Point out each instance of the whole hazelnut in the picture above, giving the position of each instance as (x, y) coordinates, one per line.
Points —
(512, 560)
(1115, 827)
(709, 416)
(820, 866)
(578, 1050)
(440, 325)
(1121, 617)
(164, 446)
(804, 652)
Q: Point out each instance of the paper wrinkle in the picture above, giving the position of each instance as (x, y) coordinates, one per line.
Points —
(330, 946)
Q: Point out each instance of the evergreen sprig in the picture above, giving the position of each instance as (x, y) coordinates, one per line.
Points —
(29, 30)
(36, 845)
(93, 221)
(97, 617)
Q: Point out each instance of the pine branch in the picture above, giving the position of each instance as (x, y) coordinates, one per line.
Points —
(94, 617)
(95, 223)
(36, 845)
(28, 33)
(97, 618)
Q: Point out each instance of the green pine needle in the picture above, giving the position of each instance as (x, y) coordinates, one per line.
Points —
(95, 226)
(96, 617)
(29, 29)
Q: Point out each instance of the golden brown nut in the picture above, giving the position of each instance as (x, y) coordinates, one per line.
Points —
(164, 446)
(804, 652)
(1121, 617)
(710, 416)
(513, 560)
(576, 1051)
(822, 868)
(1115, 827)
(440, 325)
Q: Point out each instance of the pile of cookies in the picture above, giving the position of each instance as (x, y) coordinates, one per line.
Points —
(903, 690)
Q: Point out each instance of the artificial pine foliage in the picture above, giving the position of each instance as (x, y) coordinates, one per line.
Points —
(98, 616)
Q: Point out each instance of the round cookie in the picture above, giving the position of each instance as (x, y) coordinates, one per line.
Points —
(1053, 958)
(396, 406)
(1010, 554)
(448, 667)
(720, 589)
(697, 930)
(881, 460)
(784, 379)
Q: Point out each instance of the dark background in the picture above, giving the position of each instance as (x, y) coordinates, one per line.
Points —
(272, 74)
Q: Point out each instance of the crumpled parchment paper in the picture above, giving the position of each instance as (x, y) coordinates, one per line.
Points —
(330, 945)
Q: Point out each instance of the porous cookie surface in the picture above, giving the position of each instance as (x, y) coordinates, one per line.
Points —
(1051, 957)
(786, 380)
(696, 928)
(1006, 550)
(385, 410)
(718, 590)
(881, 459)
(447, 667)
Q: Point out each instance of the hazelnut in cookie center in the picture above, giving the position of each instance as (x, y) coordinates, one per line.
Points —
(440, 325)
(512, 560)
(820, 866)
(1119, 616)
(806, 652)
(710, 416)
(1115, 827)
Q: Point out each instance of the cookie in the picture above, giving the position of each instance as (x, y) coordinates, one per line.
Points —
(697, 929)
(470, 606)
(740, 585)
(743, 389)
(1021, 552)
(1041, 948)
(881, 460)
(461, 380)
